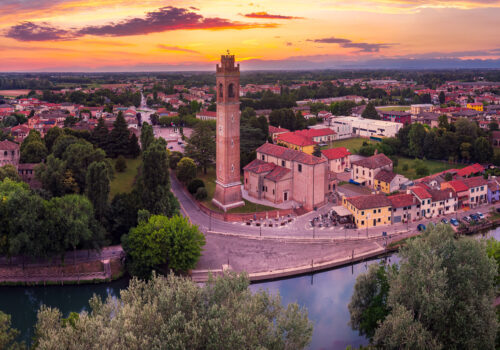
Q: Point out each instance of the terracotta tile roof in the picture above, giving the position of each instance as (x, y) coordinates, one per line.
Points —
(369, 201)
(385, 176)
(475, 181)
(289, 154)
(206, 113)
(296, 139)
(259, 166)
(274, 130)
(335, 153)
(441, 195)
(8, 146)
(493, 186)
(421, 192)
(458, 185)
(374, 162)
(402, 200)
(471, 169)
(277, 173)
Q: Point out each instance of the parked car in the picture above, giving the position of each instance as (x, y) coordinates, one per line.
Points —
(474, 217)
(481, 216)
(348, 170)
(421, 227)
(179, 142)
(454, 222)
(466, 219)
(444, 221)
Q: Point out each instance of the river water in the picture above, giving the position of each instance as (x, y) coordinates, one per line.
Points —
(324, 294)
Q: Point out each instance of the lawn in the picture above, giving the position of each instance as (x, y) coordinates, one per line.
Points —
(394, 108)
(353, 144)
(123, 182)
(434, 166)
(209, 180)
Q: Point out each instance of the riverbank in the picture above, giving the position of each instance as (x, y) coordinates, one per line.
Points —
(79, 267)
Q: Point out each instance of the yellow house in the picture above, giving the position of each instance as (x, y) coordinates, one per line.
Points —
(369, 210)
(297, 142)
(477, 106)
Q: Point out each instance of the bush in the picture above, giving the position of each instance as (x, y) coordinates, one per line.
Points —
(194, 185)
(121, 164)
(405, 167)
(422, 170)
(174, 158)
(201, 194)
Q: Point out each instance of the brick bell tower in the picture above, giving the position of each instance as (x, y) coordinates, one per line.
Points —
(228, 184)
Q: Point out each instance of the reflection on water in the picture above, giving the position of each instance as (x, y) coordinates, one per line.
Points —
(22, 303)
(325, 295)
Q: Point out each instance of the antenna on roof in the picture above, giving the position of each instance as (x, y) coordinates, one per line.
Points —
(228, 53)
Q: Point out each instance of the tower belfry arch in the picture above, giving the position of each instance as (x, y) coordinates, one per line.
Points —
(228, 185)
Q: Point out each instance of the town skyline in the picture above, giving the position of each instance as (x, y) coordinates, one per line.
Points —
(103, 35)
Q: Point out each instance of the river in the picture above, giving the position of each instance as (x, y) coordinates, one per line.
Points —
(324, 294)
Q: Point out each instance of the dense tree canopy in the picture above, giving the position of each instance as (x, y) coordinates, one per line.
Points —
(174, 313)
(201, 145)
(440, 296)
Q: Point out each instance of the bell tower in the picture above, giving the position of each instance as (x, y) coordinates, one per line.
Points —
(228, 184)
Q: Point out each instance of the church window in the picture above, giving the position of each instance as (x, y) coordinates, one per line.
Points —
(221, 90)
(230, 90)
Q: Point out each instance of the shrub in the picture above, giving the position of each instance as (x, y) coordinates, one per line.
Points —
(121, 164)
(194, 185)
(422, 170)
(201, 193)
(405, 167)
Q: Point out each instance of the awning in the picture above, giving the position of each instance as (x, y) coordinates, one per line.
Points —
(341, 211)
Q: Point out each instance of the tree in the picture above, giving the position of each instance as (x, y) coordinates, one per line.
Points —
(51, 136)
(147, 135)
(119, 137)
(483, 151)
(448, 177)
(78, 157)
(174, 159)
(100, 135)
(8, 335)
(368, 305)
(416, 140)
(121, 164)
(194, 185)
(123, 214)
(317, 151)
(201, 145)
(493, 126)
(9, 171)
(154, 183)
(98, 186)
(52, 174)
(133, 148)
(425, 309)
(443, 122)
(33, 136)
(178, 314)
(33, 152)
(161, 240)
(370, 112)
(201, 194)
(186, 170)
(442, 97)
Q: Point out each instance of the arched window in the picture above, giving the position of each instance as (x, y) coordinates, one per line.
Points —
(221, 90)
(230, 90)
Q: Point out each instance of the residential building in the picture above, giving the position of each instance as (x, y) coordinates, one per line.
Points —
(470, 170)
(287, 175)
(388, 181)
(478, 190)
(365, 170)
(9, 153)
(297, 142)
(319, 135)
(342, 128)
(404, 208)
(443, 202)
(424, 199)
(206, 115)
(477, 106)
(462, 191)
(429, 118)
(275, 131)
(493, 191)
(338, 159)
(369, 210)
(421, 108)
(396, 116)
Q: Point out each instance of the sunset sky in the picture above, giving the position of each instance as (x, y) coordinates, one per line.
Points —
(147, 35)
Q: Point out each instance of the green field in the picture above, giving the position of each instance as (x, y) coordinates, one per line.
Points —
(123, 182)
(209, 180)
(394, 108)
(434, 166)
(353, 145)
